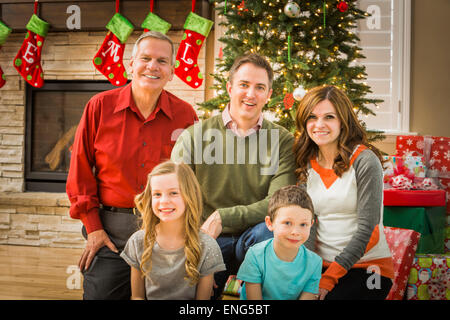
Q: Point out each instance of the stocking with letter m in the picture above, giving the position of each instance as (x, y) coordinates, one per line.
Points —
(109, 58)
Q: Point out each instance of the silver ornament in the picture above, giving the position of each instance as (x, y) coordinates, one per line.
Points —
(299, 93)
(292, 9)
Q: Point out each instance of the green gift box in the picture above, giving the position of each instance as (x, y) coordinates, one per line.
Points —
(428, 221)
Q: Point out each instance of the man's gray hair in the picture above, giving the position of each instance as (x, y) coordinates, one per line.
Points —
(154, 35)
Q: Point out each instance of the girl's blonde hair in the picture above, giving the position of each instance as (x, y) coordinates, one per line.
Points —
(192, 196)
(352, 133)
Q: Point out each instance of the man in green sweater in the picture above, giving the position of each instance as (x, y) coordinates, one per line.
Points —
(240, 159)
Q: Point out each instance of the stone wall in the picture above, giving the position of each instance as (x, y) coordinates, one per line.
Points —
(42, 219)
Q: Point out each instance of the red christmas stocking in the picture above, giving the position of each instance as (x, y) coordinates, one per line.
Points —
(28, 59)
(186, 66)
(109, 58)
(4, 33)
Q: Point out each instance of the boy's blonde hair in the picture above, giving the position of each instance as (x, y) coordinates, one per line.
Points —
(192, 196)
(289, 196)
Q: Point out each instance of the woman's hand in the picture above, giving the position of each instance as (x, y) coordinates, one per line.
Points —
(322, 293)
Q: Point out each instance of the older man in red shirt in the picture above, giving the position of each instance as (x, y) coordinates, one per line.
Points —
(123, 133)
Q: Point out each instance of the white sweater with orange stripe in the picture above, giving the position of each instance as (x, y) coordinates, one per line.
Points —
(349, 213)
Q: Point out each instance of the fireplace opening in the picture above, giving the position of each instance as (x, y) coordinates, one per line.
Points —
(53, 113)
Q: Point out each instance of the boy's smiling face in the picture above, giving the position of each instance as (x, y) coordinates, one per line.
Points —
(291, 227)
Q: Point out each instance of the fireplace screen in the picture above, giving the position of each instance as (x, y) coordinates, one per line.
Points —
(53, 113)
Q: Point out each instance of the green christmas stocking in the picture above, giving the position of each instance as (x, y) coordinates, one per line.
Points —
(186, 66)
(4, 33)
(154, 23)
(109, 58)
(28, 59)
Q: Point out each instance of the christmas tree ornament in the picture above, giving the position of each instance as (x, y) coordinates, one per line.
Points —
(241, 8)
(299, 93)
(4, 33)
(154, 23)
(28, 60)
(197, 29)
(342, 6)
(288, 101)
(292, 9)
(109, 58)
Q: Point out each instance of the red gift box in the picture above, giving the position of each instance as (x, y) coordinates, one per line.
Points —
(434, 150)
(445, 183)
(410, 146)
(440, 157)
(414, 198)
(403, 246)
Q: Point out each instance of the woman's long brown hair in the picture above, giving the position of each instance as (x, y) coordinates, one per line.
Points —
(352, 133)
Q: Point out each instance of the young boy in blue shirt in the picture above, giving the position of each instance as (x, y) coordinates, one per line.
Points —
(282, 268)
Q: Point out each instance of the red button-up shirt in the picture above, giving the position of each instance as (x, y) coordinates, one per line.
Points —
(115, 148)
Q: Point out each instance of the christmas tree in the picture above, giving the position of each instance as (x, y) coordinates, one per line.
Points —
(308, 43)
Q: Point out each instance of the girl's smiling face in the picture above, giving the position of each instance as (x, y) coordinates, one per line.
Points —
(167, 202)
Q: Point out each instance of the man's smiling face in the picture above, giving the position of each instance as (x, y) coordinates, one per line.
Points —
(152, 65)
(249, 91)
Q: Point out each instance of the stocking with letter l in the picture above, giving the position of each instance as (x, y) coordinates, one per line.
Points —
(186, 65)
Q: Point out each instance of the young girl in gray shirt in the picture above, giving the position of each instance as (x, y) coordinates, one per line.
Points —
(169, 257)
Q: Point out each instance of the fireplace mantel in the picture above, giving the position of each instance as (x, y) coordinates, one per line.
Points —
(95, 14)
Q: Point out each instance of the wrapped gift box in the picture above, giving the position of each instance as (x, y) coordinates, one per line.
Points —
(434, 150)
(410, 146)
(428, 221)
(414, 198)
(396, 164)
(233, 286)
(403, 245)
(445, 184)
(440, 157)
(447, 239)
(429, 278)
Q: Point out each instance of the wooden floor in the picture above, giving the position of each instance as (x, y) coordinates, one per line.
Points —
(38, 273)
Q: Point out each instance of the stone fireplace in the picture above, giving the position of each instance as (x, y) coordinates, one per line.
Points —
(37, 125)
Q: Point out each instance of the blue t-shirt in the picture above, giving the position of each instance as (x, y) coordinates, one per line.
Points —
(280, 280)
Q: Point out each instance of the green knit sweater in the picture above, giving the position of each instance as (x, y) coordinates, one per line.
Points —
(237, 174)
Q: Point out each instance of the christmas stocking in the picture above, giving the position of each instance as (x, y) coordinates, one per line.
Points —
(154, 23)
(28, 59)
(109, 58)
(4, 33)
(186, 66)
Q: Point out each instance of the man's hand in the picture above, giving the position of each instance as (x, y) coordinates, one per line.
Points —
(213, 225)
(96, 240)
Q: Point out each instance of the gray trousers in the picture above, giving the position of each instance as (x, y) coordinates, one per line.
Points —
(108, 276)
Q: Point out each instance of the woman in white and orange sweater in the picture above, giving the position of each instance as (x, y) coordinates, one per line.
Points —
(343, 175)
